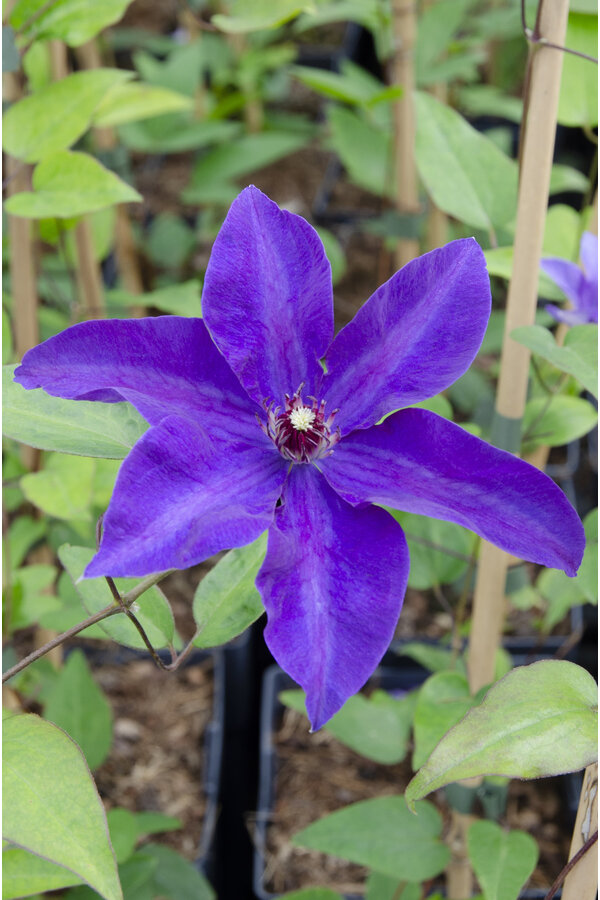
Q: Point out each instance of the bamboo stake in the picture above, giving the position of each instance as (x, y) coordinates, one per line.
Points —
(128, 264)
(437, 221)
(582, 881)
(536, 163)
(89, 277)
(404, 21)
(22, 259)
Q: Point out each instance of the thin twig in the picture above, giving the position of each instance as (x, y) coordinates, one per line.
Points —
(134, 621)
(572, 862)
(533, 35)
(60, 639)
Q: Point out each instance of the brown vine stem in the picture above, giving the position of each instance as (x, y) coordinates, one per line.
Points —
(60, 639)
(572, 862)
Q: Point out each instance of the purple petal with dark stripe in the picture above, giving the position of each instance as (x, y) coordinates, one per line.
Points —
(182, 496)
(163, 365)
(420, 463)
(267, 298)
(332, 583)
(416, 335)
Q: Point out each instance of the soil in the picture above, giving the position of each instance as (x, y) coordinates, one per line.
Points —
(157, 759)
(317, 774)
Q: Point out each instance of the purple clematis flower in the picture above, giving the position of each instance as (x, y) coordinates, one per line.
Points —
(249, 431)
(580, 286)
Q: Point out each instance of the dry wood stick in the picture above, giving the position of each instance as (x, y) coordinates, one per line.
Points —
(437, 220)
(128, 264)
(582, 881)
(89, 277)
(536, 163)
(404, 19)
(22, 259)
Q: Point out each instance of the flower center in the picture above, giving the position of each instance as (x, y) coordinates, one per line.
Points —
(302, 418)
(301, 433)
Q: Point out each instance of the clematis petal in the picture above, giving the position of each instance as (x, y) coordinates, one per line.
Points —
(418, 462)
(415, 336)
(566, 275)
(568, 316)
(332, 583)
(162, 365)
(267, 298)
(588, 252)
(182, 496)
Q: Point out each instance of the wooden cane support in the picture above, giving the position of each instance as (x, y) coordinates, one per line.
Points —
(582, 881)
(536, 163)
(404, 18)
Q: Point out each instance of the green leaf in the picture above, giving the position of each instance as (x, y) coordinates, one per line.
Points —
(538, 720)
(553, 424)
(428, 540)
(174, 877)
(55, 116)
(437, 404)
(78, 706)
(10, 55)
(565, 179)
(155, 823)
(151, 609)
(159, 135)
(226, 601)
(126, 828)
(502, 860)
(437, 26)
(50, 803)
(250, 152)
(123, 833)
(63, 488)
(587, 577)
(335, 254)
(489, 100)
(578, 103)
(363, 149)
(578, 356)
(176, 299)
(377, 727)
(371, 832)
(71, 21)
(84, 428)
(134, 101)
(69, 184)
(31, 595)
(432, 657)
(442, 702)
(561, 231)
(352, 84)
(259, 14)
(465, 173)
(560, 593)
(382, 887)
(24, 874)
(170, 241)
(23, 533)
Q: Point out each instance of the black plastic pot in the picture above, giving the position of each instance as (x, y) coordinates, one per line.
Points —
(275, 681)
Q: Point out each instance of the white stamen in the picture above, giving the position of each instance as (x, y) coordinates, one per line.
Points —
(302, 418)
